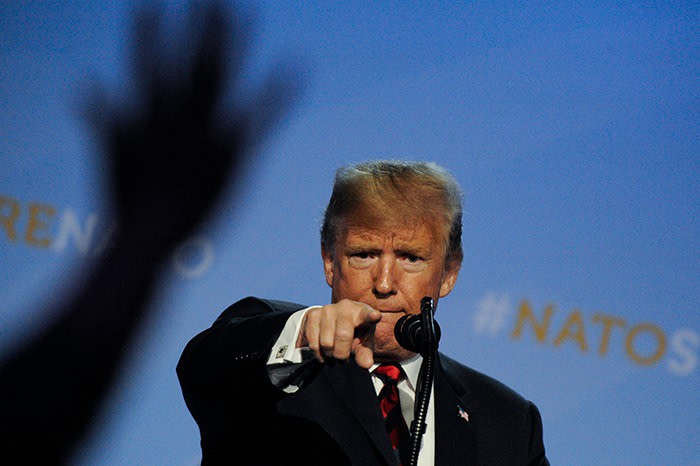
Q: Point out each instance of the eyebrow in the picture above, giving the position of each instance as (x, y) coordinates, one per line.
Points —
(367, 242)
(355, 248)
(408, 251)
(402, 249)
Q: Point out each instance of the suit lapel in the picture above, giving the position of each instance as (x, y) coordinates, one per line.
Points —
(455, 435)
(355, 389)
(342, 400)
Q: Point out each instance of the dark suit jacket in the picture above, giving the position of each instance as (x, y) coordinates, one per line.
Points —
(335, 418)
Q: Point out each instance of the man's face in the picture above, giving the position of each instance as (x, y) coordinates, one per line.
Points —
(391, 269)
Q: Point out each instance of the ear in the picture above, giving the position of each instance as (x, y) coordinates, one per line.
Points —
(449, 278)
(327, 265)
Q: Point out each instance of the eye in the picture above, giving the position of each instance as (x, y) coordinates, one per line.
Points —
(413, 259)
(361, 259)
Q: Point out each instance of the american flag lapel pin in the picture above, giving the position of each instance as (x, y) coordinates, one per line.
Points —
(462, 413)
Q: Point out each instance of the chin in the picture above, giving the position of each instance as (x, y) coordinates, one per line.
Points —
(386, 348)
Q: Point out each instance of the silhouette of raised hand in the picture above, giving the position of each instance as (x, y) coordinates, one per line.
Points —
(174, 156)
(169, 157)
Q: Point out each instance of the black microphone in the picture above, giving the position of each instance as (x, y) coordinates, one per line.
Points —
(420, 334)
(409, 331)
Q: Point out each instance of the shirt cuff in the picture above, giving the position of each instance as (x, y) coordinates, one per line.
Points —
(284, 351)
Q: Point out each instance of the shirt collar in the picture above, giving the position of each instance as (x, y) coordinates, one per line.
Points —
(411, 368)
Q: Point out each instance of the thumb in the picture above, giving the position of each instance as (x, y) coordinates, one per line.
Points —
(364, 354)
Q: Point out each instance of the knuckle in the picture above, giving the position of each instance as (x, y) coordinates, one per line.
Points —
(344, 334)
(326, 342)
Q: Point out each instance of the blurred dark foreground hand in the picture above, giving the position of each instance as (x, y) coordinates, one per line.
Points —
(168, 159)
(175, 152)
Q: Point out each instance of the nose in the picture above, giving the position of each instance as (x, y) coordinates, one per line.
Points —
(385, 278)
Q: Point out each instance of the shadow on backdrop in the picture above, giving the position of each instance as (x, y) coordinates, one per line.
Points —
(168, 159)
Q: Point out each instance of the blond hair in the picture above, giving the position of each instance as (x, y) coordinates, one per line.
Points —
(389, 192)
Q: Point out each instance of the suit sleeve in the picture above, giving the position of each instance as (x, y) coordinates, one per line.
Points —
(536, 455)
(222, 370)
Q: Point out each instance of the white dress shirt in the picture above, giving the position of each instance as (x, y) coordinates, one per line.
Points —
(285, 357)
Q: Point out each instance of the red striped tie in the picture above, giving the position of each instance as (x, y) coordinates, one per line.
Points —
(391, 410)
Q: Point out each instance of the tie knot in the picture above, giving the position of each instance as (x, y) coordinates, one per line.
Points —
(389, 371)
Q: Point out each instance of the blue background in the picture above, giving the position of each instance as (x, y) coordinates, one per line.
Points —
(572, 128)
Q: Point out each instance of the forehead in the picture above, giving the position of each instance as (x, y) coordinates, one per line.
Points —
(420, 237)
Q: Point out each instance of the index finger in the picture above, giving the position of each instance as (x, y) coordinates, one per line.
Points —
(368, 316)
(352, 320)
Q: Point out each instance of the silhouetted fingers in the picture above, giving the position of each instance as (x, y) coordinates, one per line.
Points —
(211, 29)
(147, 56)
(268, 106)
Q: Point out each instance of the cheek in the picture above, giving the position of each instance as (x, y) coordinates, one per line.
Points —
(384, 333)
(351, 284)
(419, 287)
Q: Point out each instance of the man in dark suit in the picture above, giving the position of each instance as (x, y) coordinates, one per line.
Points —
(273, 382)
